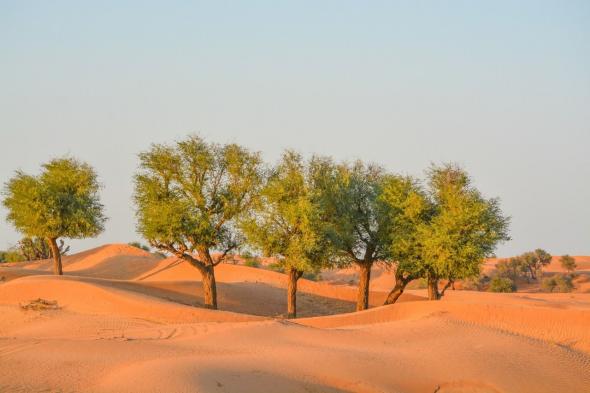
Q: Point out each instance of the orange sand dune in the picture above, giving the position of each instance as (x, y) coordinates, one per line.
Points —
(131, 322)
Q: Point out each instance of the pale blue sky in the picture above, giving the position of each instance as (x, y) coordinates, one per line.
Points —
(501, 87)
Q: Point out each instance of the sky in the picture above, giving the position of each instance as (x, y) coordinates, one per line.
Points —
(500, 87)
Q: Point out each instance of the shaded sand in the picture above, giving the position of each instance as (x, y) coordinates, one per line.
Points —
(126, 323)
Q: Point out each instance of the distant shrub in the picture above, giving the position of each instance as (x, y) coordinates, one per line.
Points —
(558, 283)
(313, 276)
(568, 263)
(140, 246)
(502, 284)
(11, 255)
(160, 255)
(276, 267)
(475, 283)
(252, 262)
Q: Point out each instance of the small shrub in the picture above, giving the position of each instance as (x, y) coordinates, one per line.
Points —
(276, 267)
(252, 262)
(502, 284)
(558, 283)
(313, 276)
(140, 246)
(40, 305)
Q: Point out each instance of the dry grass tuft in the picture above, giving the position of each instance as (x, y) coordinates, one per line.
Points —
(41, 305)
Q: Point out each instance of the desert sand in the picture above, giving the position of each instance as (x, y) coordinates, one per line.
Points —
(129, 321)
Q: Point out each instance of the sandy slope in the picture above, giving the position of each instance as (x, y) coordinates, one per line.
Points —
(126, 324)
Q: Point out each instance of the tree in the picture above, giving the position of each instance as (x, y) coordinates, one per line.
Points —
(463, 230)
(357, 221)
(62, 201)
(409, 209)
(287, 223)
(568, 263)
(189, 197)
(532, 262)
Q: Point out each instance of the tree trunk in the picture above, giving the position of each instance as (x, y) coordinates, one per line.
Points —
(433, 288)
(395, 293)
(209, 287)
(57, 269)
(400, 285)
(293, 275)
(362, 300)
(450, 283)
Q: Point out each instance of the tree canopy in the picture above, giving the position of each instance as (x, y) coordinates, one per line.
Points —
(63, 201)
(287, 222)
(189, 196)
(464, 229)
(357, 220)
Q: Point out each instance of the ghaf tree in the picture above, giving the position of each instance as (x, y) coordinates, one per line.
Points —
(189, 196)
(287, 223)
(61, 202)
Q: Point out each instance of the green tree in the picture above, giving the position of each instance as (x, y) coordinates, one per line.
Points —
(568, 263)
(463, 230)
(409, 209)
(357, 220)
(532, 262)
(62, 201)
(189, 196)
(287, 224)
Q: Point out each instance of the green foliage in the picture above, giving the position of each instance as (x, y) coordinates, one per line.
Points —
(62, 201)
(558, 283)
(568, 263)
(502, 284)
(357, 220)
(465, 227)
(287, 221)
(528, 265)
(252, 262)
(190, 194)
(140, 246)
(409, 209)
(276, 267)
(12, 255)
(36, 248)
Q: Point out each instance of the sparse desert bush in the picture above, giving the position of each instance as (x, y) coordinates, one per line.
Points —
(11, 255)
(502, 284)
(313, 276)
(558, 283)
(568, 263)
(252, 262)
(475, 283)
(41, 305)
(276, 267)
(140, 246)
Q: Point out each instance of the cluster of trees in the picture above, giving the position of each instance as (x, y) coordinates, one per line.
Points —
(204, 202)
(529, 266)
